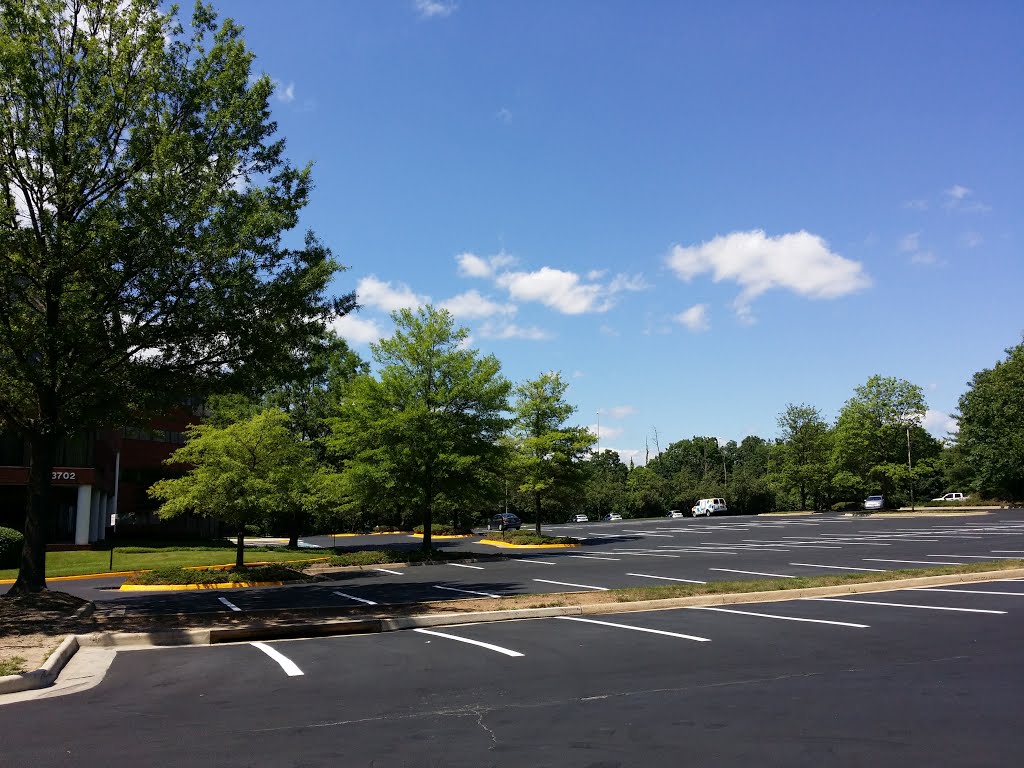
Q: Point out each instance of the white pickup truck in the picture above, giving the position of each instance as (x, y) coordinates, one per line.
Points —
(950, 497)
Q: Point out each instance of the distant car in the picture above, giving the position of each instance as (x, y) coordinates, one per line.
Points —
(708, 507)
(675, 513)
(951, 497)
(505, 521)
(874, 502)
(612, 516)
(579, 519)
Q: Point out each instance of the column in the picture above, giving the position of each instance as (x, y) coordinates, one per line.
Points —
(82, 510)
(96, 517)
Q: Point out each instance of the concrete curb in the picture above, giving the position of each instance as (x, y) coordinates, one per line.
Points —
(46, 674)
(330, 628)
(506, 545)
(186, 587)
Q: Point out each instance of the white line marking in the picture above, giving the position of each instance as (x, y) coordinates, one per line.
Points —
(488, 646)
(977, 557)
(567, 584)
(643, 554)
(385, 570)
(353, 597)
(666, 578)
(229, 604)
(648, 533)
(474, 567)
(527, 560)
(593, 557)
(754, 573)
(918, 562)
(466, 591)
(1008, 550)
(783, 618)
(967, 591)
(289, 666)
(840, 567)
(900, 605)
(636, 629)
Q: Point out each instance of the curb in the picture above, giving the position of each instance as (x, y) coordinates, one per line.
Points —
(391, 624)
(506, 545)
(46, 674)
(183, 587)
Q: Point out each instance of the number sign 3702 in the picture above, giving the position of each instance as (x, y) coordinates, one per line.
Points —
(63, 475)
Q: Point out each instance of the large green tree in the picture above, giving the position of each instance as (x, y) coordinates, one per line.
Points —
(239, 473)
(428, 430)
(143, 198)
(991, 436)
(800, 460)
(549, 452)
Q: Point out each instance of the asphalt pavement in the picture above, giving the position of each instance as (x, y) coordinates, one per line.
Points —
(907, 677)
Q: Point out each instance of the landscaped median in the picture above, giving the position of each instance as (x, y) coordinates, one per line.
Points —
(528, 540)
(371, 557)
(212, 578)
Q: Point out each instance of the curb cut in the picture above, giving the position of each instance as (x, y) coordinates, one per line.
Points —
(46, 674)
(392, 624)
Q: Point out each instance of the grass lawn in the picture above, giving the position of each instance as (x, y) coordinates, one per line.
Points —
(79, 563)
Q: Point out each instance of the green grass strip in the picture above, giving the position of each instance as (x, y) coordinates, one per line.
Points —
(192, 576)
(12, 666)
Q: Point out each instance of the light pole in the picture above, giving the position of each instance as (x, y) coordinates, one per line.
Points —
(910, 469)
(599, 433)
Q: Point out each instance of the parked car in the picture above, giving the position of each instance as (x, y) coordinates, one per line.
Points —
(504, 521)
(951, 497)
(675, 513)
(579, 519)
(612, 516)
(874, 502)
(708, 507)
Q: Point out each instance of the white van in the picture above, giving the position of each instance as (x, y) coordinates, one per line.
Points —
(708, 507)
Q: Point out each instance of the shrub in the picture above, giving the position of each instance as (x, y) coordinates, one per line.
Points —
(174, 575)
(528, 537)
(445, 530)
(379, 556)
(846, 506)
(10, 547)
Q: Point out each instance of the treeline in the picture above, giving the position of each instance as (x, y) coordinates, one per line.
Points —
(438, 436)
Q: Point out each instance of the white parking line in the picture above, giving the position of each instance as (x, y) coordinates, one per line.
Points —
(289, 666)
(488, 646)
(977, 557)
(840, 567)
(966, 591)
(648, 533)
(593, 557)
(1009, 551)
(643, 554)
(774, 616)
(358, 599)
(385, 570)
(465, 591)
(229, 604)
(636, 629)
(918, 562)
(527, 560)
(567, 584)
(474, 567)
(900, 605)
(666, 578)
(754, 573)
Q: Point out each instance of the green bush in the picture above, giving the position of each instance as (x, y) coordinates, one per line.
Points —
(444, 530)
(528, 537)
(10, 547)
(381, 556)
(846, 506)
(175, 575)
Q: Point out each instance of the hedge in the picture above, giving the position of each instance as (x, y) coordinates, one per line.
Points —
(11, 542)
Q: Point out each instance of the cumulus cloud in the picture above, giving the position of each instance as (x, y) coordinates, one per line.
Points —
(513, 331)
(608, 432)
(284, 93)
(473, 304)
(696, 318)
(377, 293)
(799, 262)
(961, 198)
(357, 330)
(434, 9)
(957, 192)
(471, 265)
(565, 291)
(940, 424)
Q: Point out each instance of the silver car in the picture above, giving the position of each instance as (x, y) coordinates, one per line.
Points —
(874, 502)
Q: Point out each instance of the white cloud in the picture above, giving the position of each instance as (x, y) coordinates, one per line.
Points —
(619, 411)
(923, 258)
(565, 291)
(961, 198)
(957, 192)
(357, 330)
(471, 265)
(971, 239)
(430, 9)
(695, 318)
(940, 424)
(284, 93)
(473, 304)
(596, 274)
(916, 205)
(799, 262)
(578, 374)
(504, 115)
(607, 432)
(607, 330)
(376, 293)
(910, 243)
(513, 331)
(623, 282)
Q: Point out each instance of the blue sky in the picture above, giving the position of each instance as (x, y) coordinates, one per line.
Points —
(697, 212)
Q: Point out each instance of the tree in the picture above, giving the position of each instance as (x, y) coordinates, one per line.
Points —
(991, 436)
(801, 458)
(240, 473)
(647, 493)
(549, 453)
(429, 429)
(606, 483)
(143, 198)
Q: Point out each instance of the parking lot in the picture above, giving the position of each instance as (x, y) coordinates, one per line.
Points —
(914, 676)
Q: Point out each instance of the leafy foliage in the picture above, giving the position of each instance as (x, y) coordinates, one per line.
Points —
(10, 547)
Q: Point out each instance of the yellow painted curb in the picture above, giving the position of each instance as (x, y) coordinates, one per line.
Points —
(440, 536)
(375, 533)
(224, 585)
(506, 545)
(112, 574)
(116, 574)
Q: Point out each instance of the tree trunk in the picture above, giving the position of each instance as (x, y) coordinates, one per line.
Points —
(240, 549)
(803, 497)
(32, 570)
(536, 509)
(293, 537)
